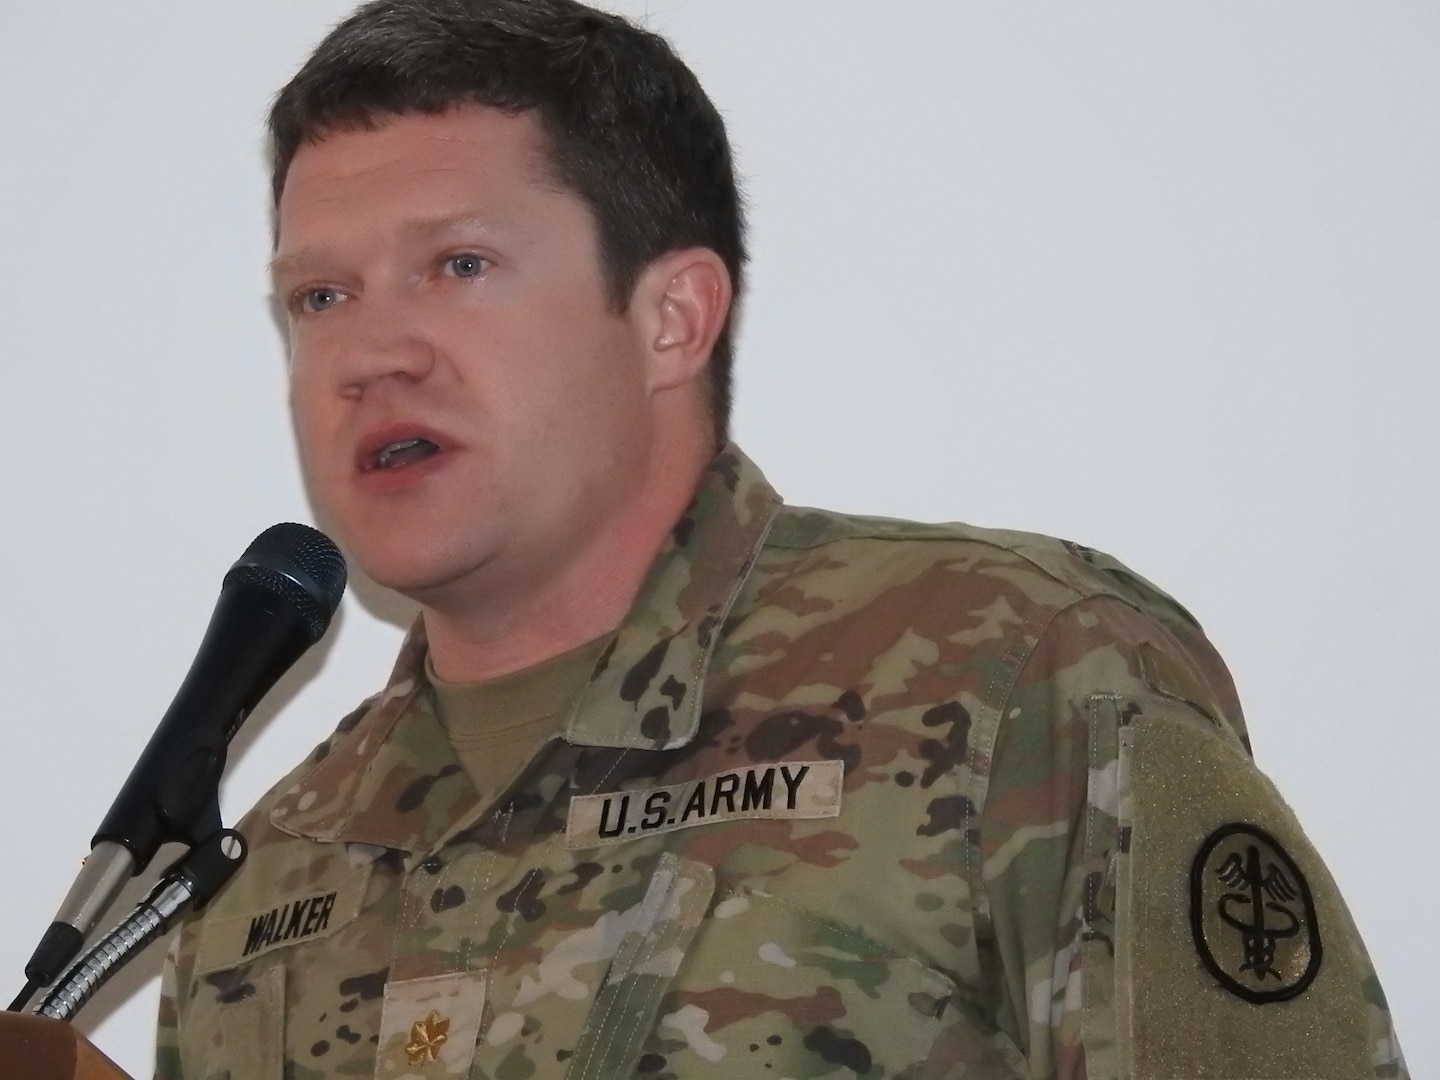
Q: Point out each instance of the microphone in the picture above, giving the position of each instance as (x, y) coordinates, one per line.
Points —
(275, 602)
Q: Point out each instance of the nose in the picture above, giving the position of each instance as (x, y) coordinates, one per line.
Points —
(380, 341)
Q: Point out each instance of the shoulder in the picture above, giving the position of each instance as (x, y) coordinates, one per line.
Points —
(1023, 606)
(1049, 571)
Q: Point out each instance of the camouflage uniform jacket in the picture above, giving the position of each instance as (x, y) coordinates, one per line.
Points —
(846, 797)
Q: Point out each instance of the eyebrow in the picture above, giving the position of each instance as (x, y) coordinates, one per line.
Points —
(416, 230)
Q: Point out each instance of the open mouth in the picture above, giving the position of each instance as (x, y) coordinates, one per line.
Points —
(403, 452)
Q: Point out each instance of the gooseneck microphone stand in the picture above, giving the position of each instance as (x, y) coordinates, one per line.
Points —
(193, 879)
(42, 1045)
(275, 602)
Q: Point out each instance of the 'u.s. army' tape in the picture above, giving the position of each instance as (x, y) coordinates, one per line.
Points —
(791, 789)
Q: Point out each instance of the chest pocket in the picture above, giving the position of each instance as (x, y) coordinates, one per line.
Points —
(262, 952)
(243, 1025)
(737, 983)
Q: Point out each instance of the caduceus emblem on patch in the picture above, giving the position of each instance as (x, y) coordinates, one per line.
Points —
(1252, 915)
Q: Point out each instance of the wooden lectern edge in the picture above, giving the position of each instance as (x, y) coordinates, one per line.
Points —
(38, 1048)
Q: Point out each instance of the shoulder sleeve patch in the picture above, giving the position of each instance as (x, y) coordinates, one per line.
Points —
(1208, 833)
(1252, 915)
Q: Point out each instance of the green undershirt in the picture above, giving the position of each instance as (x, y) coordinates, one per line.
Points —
(496, 726)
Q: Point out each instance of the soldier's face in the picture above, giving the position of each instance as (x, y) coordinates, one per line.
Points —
(468, 405)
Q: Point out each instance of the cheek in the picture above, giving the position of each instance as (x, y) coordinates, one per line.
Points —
(558, 373)
(309, 418)
(302, 412)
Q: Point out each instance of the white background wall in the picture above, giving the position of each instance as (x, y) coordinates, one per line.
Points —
(1162, 278)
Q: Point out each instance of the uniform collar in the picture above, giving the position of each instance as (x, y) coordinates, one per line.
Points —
(381, 784)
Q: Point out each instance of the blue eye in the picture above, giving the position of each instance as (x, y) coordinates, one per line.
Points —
(314, 300)
(467, 265)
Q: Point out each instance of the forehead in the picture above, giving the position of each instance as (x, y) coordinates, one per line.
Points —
(470, 158)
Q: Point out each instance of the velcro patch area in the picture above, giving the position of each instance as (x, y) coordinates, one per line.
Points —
(1212, 839)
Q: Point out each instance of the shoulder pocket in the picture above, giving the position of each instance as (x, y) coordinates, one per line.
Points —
(1222, 908)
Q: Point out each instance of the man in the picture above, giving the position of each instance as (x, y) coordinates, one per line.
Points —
(670, 779)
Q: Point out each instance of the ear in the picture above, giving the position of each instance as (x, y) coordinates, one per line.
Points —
(681, 301)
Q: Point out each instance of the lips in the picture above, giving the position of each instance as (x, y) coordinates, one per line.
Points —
(398, 446)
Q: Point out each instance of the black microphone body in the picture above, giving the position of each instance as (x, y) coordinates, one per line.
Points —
(254, 636)
(275, 602)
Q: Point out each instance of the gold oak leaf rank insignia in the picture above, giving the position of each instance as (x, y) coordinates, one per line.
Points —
(426, 1038)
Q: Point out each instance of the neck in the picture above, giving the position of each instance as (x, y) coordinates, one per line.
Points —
(485, 631)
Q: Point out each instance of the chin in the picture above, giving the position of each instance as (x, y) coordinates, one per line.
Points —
(412, 571)
(407, 577)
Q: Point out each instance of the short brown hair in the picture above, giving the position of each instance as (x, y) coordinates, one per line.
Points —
(630, 129)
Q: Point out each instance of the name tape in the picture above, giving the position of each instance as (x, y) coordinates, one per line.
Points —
(230, 939)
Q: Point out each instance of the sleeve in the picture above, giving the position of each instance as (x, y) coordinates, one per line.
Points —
(1153, 907)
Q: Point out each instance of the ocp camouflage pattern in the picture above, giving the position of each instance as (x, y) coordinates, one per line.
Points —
(1005, 721)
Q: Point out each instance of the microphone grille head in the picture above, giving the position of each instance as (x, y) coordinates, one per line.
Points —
(299, 563)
